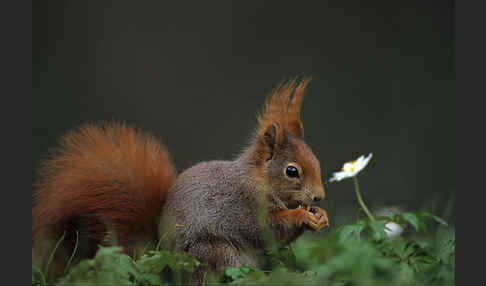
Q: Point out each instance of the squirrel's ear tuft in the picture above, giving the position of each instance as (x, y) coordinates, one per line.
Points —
(282, 107)
(296, 128)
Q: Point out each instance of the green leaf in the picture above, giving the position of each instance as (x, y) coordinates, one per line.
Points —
(399, 246)
(110, 266)
(235, 273)
(151, 264)
(285, 257)
(178, 261)
(38, 277)
(412, 219)
(351, 231)
(378, 230)
(436, 218)
(149, 279)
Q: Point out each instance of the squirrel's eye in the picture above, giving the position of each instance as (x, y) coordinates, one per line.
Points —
(292, 172)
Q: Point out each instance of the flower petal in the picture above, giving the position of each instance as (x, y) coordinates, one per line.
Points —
(359, 161)
(338, 176)
(366, 160)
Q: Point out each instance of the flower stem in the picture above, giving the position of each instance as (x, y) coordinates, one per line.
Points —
(360, 199)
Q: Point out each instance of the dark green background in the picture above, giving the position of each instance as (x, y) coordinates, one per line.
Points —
(196, 73)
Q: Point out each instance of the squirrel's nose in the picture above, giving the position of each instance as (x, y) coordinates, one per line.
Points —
(319, 196)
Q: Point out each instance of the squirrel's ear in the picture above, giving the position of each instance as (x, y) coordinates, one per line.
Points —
(270, 138)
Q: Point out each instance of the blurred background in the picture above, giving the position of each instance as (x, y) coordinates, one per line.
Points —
(195, 73)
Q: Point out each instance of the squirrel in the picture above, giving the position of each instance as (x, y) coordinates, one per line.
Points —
(114, 177)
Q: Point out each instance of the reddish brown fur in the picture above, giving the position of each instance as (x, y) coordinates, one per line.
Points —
(311, 165)
(282, 107)
(298, 217)
(109, 174)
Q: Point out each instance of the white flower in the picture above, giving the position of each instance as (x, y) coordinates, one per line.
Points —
(393, 229)
(351, 169)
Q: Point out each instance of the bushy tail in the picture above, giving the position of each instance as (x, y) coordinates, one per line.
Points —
(101, 177)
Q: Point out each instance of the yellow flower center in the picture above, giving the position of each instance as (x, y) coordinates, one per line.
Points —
(349, 167)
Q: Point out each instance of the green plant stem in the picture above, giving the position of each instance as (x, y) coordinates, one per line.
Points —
(360, 199)
(72, 255)
(159, 243)
(46, 271)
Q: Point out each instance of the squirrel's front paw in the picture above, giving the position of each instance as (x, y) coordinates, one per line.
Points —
(321, 216)
(314, 217)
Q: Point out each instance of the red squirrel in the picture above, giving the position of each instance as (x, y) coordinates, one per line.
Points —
(114, 177)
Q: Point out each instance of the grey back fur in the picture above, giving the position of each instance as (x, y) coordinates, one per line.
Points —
(214, 212)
